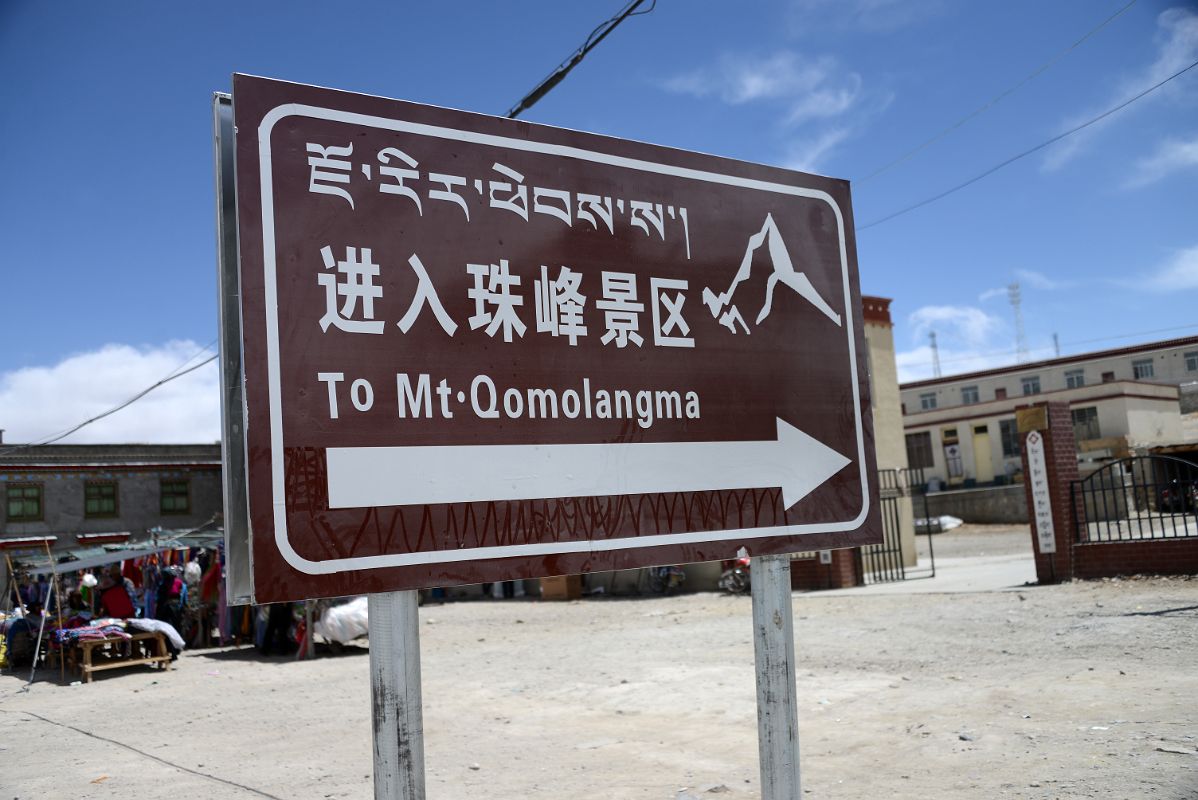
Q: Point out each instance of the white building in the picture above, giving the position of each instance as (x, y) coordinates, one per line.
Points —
(962, 428)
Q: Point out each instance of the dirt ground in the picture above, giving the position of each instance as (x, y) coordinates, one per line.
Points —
(1083, 690)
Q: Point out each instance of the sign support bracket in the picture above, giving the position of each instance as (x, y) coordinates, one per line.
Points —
(774, 656)
(396, 716)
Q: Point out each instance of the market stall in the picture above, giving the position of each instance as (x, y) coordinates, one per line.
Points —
(110, 603)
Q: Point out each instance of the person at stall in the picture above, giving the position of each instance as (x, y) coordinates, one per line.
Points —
(77, 613)
(119, 577)
(21, 636)
(114, 599)
(170, 588)
(278, 625)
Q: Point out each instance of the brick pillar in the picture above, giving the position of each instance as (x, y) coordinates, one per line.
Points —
(842, 571)
(1053, 422)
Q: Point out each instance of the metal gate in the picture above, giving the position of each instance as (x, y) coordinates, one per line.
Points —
(1134, 499)
(881, 563)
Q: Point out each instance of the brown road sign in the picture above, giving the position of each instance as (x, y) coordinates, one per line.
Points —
(478, 349)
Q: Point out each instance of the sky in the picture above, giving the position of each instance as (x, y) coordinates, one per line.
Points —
(108, 223)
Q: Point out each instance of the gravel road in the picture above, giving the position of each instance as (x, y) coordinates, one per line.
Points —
(1082, 690)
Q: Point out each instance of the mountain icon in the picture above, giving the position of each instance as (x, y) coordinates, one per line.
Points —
(728, 313)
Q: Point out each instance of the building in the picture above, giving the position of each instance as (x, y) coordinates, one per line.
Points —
(961, 429)
(92, 494)
(885, 398)
(1171, 362)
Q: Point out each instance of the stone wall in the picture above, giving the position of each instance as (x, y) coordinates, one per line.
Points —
(992, 504)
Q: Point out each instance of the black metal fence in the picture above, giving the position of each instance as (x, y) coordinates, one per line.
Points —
(1145, 497)
(884, 562)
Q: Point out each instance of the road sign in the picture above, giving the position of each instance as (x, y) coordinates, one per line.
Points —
(478, 349)
(1041, 496)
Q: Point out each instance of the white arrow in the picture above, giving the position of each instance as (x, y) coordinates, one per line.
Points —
(364, 477)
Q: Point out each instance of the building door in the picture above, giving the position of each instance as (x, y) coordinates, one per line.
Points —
(953, 464)
(983, 460)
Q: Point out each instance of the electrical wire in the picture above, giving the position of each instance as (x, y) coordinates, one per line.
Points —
(1028, 152)
(592, 41)
(994, 100)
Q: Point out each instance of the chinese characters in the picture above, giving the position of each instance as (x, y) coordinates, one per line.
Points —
(352, 286)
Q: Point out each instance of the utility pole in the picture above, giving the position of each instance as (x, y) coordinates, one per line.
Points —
(1014, 295)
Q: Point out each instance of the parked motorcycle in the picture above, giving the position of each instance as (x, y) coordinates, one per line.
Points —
(735, 577)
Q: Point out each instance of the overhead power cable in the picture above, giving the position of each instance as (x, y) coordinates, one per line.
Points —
(1027, 152)
(994, 100)
(563, 69)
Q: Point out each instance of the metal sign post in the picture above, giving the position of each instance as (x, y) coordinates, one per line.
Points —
(774, 655)
(395, 696)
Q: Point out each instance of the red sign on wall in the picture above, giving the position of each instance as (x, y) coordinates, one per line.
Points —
(479, 349)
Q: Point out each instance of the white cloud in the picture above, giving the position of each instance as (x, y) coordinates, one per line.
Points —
(962, 326)
(967, 339)
(1038, 280)
(808, 88)
(872, 16)
(1171, 156)
(1028, 278)
(816, 94)
(806, 155)
(826, 102)
(1179, 273)
(1177, 47)
(916, 364)
(41, 401)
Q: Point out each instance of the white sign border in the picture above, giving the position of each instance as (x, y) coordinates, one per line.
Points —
(274, 380)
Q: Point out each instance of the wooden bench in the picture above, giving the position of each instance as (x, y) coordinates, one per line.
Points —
(139, 652)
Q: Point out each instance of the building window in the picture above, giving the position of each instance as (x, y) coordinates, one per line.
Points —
(1192, 361)
(927, 402)
(1142, 370)
(99, 499)
(919, 450)
(1075, 378)
(24, 502)
(969, 395)
(1085, 423)
(1031, 385)
(175, 497)
(1108, 377)
(1000, 393)
(1008, 431)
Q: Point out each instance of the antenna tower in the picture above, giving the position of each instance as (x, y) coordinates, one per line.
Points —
(935, 354)
(1014, 295)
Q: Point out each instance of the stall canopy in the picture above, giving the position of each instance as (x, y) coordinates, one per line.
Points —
(90, 557)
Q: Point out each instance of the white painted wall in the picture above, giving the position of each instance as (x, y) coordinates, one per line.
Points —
(1149, 420)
